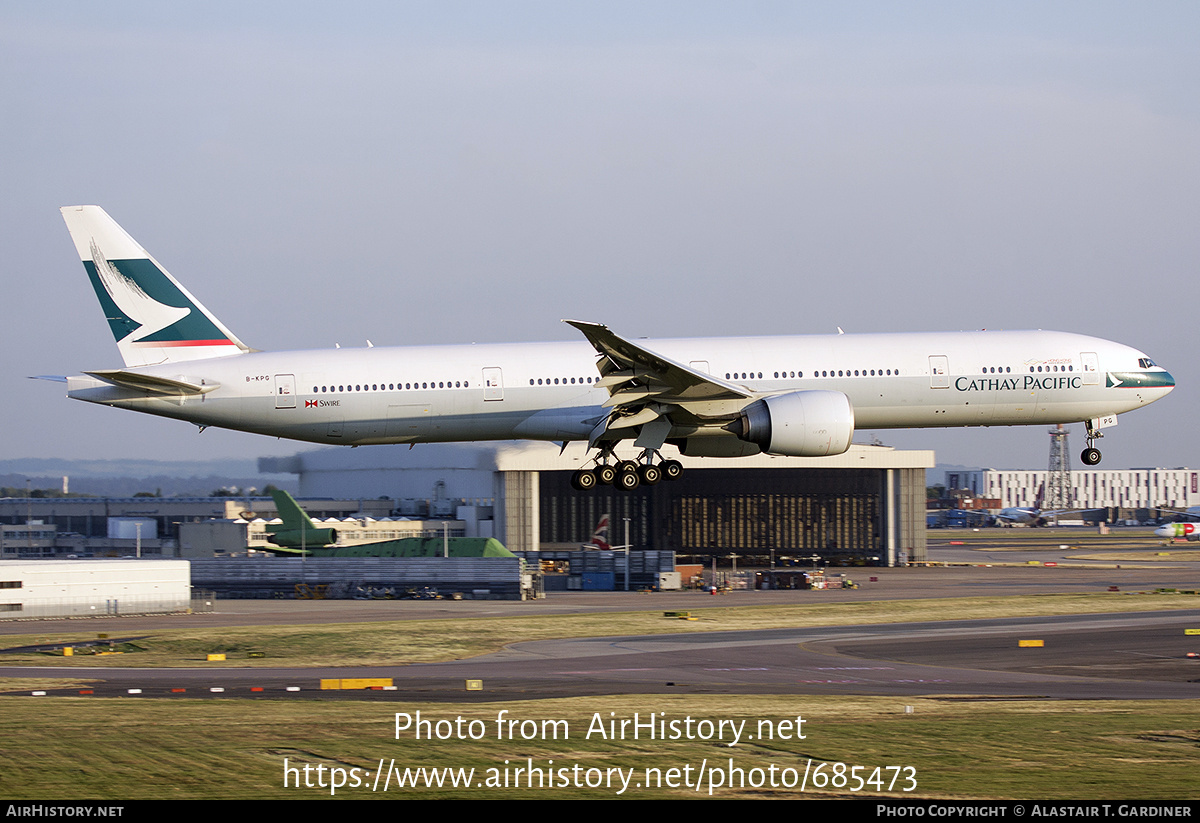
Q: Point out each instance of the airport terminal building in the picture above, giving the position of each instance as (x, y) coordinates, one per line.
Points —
(1130, 489)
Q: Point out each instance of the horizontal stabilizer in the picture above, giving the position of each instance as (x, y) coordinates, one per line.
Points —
(150, 383)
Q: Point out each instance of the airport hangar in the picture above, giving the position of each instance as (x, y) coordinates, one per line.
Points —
(865, 505)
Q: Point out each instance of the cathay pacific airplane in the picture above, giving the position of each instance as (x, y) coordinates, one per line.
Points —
(714, 397)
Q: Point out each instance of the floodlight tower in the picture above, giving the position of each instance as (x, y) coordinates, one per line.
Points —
(1058, 478)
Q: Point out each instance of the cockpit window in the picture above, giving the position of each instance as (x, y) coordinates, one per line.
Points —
(1146, 362)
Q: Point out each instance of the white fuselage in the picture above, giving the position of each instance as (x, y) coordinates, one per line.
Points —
(547, 391)
(1018, 515)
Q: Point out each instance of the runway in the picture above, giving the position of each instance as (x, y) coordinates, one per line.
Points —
(1113, 657)
(875, 584)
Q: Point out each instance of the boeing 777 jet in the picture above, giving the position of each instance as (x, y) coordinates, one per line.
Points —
(714, 397)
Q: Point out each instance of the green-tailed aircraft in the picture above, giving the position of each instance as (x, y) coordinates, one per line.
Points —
(298, 535)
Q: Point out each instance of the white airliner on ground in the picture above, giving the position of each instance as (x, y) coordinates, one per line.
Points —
(718, 397)
(1033, 515)
(1186, 530)
(1178, 531)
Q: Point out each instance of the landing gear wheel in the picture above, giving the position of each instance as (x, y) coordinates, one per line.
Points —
(627, 481)
(1090, 456)
(649, 474)
(627, 466)
(584, 480)
(606, 475)
(671, 469)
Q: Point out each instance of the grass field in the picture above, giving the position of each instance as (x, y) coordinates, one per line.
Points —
(126, 749)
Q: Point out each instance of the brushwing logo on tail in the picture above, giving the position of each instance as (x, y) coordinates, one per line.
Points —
(151, 316)
(131, 299)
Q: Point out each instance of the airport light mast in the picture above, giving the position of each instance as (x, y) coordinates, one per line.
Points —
(1058, 478)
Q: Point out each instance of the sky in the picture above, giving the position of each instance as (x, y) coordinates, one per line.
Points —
(445, 172)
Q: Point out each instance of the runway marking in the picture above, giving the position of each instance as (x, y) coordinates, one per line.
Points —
(607, 671)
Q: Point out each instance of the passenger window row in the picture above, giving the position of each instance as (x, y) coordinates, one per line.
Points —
(557, 381)
(779, 375)
(360, 387)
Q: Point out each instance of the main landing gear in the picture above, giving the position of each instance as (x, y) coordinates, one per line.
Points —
(1091, 455)
(626, 475)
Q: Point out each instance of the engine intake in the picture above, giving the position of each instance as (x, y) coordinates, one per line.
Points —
(800, 424)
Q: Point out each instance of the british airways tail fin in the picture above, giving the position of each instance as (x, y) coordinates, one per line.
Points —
(600, 536)
(153, 318)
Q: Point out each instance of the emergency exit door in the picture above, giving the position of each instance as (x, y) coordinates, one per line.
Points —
(493, 384)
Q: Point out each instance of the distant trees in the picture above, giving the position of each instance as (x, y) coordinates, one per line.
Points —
(37, 494)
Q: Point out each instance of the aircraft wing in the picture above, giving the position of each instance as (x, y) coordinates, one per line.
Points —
(1061, 512)
(654, 392)
(1190, 511)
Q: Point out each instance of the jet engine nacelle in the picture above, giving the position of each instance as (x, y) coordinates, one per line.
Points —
(307, 538)
(800, 424)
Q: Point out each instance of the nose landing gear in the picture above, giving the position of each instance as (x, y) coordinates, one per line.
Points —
(1091, 455)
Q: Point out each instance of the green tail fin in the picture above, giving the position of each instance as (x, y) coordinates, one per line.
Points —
(297, 530)
(294, 518)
